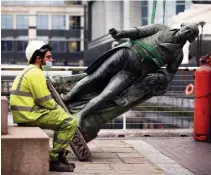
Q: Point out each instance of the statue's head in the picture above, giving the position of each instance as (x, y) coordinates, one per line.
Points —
(188, 32)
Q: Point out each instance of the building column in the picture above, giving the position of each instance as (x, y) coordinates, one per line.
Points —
(49, 22)
(14, 21)
(82, 34)
(32, 30)
(67, 22)
(126, 14)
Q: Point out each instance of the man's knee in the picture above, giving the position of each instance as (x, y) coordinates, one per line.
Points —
(69, 123)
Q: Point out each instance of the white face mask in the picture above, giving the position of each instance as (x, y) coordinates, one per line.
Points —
(47, 66)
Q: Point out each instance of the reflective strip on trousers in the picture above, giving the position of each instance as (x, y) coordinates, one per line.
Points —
(66, 122)
(56, 106)
(61, 141)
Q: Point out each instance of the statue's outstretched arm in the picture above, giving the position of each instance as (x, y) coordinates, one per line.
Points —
(137, 32)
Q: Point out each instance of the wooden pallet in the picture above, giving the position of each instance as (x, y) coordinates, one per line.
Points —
(78, 144)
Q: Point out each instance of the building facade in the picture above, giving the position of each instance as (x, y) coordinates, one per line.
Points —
(60, 23)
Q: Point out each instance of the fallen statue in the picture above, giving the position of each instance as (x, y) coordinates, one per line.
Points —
(124, 76)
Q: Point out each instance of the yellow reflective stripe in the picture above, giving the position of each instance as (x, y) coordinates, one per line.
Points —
(56, 106)
(66, 122)
(25, 108)
(43, 99)
(21, 78)
(60, 141)
(21, 108)
(21, 93)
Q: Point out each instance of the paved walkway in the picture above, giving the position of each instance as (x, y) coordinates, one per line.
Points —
(145, 156)
(114, 157)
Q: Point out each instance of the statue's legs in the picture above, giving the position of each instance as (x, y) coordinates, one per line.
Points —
(123, 59)
(117, 84)
(139, 92)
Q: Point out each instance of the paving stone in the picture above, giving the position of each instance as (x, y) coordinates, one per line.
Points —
(142, 172)
(111, 143)
(129, 154)
(107, 160)
(134, 160)
(118, 150)
(128, 167)
(104, 155)
(97, 166)
(95, 171)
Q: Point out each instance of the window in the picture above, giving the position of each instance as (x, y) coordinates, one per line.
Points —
(58, 22)
(180, 6)
(42, 22)
(144, 12)
(21, 46)
(6, 21)
(6, 46)
(73, 2)
(58, 46)
(22, 22)
(74, 46)
(75, 22)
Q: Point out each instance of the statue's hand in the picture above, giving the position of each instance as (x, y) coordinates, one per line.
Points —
(152, 79)
(116, 34)
(63, 97)
(160, 89)
(56, 80)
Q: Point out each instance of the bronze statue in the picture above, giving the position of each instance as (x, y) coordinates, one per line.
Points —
(126, 75)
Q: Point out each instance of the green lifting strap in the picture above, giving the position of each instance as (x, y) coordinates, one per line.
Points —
(154, 5)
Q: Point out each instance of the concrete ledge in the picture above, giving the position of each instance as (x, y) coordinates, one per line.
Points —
(4, 115)
(24, 151)
(131, 133)
(146, 133)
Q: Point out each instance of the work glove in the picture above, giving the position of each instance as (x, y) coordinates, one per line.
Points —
(116, 34)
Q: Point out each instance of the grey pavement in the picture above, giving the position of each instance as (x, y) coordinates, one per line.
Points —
(113, 157)
(136, 156)
(145, 156)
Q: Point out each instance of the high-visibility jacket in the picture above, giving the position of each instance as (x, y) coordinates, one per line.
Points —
(30, 97)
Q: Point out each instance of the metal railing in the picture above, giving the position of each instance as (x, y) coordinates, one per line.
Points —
(171, 110)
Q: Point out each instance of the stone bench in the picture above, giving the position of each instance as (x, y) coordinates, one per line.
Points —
(24, 150)
(4, 115)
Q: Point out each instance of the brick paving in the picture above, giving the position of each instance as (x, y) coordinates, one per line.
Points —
(191, 154)
(113, 157)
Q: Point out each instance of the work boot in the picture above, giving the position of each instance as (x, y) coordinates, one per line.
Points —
(58, 166)
(63, 159)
